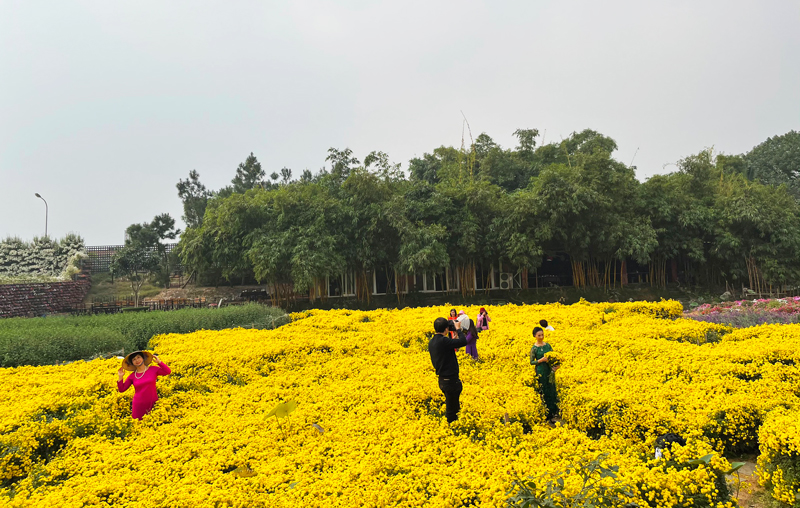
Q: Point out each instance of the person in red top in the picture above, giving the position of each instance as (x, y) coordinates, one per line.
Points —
(143, 378)
(453, 317)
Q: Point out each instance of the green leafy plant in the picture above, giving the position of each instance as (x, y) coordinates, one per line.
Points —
(735, 467)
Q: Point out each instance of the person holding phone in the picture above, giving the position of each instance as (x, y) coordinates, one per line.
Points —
(483, 320)
(143, 378)
(445, 363)
(453, 317)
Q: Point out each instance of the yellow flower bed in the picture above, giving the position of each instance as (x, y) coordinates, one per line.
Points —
(369, 428)
(779, 462)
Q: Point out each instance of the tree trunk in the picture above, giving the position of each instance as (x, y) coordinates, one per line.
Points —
(756, 278)
(658, 270)
(578, 274)
(623, 273)
(466, 276)
(614, 280)
(399, 287)
(363, 291)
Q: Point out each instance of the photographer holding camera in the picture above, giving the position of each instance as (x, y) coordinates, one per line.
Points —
(443, 358)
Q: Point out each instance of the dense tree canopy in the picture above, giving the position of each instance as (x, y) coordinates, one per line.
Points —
(145, 255)
(194, 196)
(717, 219)
(776, 161)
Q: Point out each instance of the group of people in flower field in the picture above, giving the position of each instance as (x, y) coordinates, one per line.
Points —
(453, 333)
(458, 331)
(470, 328)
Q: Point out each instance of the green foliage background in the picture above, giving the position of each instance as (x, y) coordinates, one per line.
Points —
(723, 219)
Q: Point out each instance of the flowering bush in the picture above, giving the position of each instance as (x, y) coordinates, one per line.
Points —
(746, 313)
(554, 360)
(779, 462)
(368, 428)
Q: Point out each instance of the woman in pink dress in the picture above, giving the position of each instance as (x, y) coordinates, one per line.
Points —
(143, 379)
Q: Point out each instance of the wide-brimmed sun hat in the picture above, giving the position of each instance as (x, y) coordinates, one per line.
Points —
(463, 319)
(127, 365)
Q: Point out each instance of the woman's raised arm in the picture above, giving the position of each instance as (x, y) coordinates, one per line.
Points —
(123, 385)
(163, 368)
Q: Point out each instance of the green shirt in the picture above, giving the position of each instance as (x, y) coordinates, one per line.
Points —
(537, 353)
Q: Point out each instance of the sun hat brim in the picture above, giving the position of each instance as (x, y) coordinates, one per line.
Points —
(127, 365)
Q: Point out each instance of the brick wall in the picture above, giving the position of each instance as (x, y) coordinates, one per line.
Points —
(30, 300)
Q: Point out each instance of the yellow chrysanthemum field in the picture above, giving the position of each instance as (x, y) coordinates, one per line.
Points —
(369, 430)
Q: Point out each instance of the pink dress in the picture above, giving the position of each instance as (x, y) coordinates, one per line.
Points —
(145, 395)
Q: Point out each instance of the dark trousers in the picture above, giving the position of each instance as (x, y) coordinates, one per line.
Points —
(549, 394)
(451, 387)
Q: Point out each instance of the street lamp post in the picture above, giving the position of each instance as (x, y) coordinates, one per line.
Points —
(45, 212)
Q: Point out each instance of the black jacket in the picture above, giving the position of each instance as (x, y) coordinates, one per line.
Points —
(443, 355)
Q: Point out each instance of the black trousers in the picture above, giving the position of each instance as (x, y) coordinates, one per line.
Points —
(451, 387)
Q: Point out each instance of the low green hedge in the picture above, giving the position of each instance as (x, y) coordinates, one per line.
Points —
(55, 343)
(50, 340)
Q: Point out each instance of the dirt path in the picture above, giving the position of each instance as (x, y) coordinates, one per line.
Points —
(751, 494)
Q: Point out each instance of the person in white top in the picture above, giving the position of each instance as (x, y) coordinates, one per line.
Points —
(463, 320)
(547, 327)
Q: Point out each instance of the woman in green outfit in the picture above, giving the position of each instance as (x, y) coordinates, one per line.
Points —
(538, 358)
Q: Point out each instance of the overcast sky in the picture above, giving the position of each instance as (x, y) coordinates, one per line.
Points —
(105, 105)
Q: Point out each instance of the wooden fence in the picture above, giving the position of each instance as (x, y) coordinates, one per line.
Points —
(114, 305)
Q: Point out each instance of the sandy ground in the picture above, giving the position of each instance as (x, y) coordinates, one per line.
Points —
(751, 494)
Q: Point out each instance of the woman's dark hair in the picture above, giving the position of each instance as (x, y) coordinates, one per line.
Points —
(543, 322)
(134, 355)
(472, 328)
(667, 440)
(537, 330)
(453, 311)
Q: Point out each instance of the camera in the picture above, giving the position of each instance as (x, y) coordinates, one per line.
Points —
(451, 326)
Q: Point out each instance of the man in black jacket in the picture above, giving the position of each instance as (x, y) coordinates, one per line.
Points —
(443, 357)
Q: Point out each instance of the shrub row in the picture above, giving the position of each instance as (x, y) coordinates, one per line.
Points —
(50, 340)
